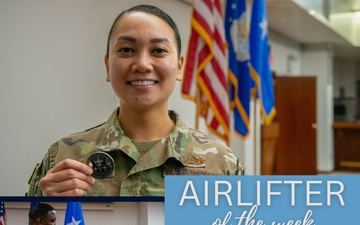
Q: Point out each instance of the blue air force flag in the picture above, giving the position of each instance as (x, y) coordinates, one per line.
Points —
(260, 60)
(236, 31)
(74, 214)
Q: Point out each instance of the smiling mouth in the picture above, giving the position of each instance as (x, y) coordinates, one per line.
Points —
(142, 83)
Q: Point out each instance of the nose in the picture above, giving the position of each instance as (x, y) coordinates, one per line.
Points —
(142, 62)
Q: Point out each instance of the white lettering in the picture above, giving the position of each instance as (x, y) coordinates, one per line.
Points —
(225, 193)
(306, 221)
(185, 196)
(337, 193)
(269, 192)
(309, 193)
(258, 192)
(225, 221)
(292, 184)
(206, 193)
(239, 196)
(248, 219)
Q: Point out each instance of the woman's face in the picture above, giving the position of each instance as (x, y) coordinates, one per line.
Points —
(143, 64)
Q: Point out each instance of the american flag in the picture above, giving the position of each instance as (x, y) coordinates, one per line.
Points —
(2, 214)
(205, 73)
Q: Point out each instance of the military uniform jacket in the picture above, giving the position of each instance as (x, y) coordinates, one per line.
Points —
(184, 151)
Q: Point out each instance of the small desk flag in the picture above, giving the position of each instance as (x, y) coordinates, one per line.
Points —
(2, 214)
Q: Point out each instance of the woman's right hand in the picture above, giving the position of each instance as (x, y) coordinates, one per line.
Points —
(67, 178)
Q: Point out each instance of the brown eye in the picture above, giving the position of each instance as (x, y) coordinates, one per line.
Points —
(159, 51)
(125, 50)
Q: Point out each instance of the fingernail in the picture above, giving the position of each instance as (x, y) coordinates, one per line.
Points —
(89, 170)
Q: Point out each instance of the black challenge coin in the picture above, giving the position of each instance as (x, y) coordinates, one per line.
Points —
(102, 163)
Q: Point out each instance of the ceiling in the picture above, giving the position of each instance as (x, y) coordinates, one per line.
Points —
(317, 22)
(342, 16)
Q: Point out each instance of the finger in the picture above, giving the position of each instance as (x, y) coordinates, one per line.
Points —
(68, 174)
(73, 192)
(74, 187)
(73, 164)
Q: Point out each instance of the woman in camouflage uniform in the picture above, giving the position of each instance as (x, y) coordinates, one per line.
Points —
(142, 141)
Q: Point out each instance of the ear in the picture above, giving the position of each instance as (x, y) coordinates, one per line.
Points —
(106, 62)
(180, 65)
(39, 220)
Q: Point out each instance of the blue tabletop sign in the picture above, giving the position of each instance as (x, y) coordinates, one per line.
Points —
(262, 200)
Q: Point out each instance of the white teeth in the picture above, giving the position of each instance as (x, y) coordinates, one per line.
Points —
(142, 82)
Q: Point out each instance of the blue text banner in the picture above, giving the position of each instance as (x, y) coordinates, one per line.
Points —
(262, 200)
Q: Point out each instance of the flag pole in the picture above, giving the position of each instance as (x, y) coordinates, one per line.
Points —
(255, 138)
(198, 108)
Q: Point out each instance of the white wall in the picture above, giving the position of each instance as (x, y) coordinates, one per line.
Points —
(318, 61)
(286, 55)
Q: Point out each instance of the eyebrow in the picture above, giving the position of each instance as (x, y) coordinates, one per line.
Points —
(127, 38)
(158, 40)
(153, 40)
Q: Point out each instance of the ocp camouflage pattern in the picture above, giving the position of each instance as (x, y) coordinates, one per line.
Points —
(184, 151)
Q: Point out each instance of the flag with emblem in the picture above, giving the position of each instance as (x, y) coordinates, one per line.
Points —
(260, 60)
(205, 76)
(74, 214)
(237, 37)
(2, 214)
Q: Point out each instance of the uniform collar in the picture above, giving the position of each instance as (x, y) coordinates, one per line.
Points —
(180, 139)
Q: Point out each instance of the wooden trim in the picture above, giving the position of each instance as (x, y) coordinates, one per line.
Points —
(346, 125)
(350, 164)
